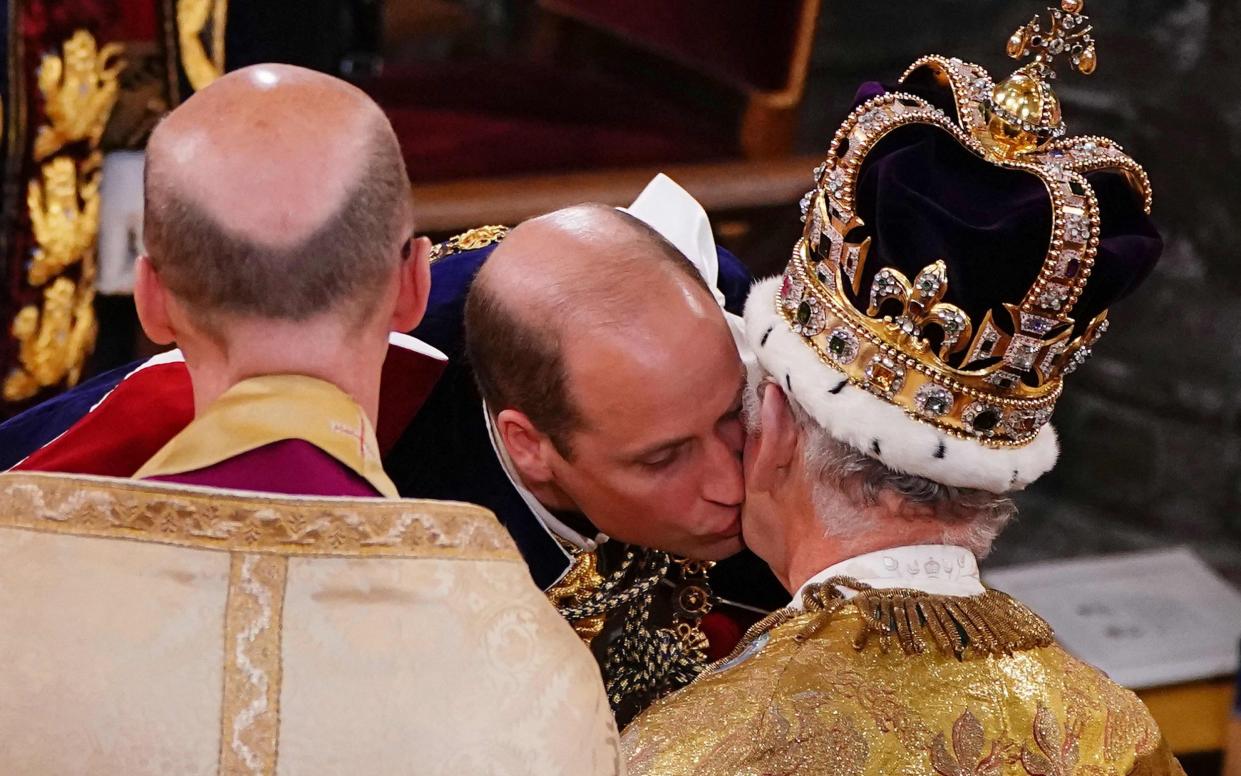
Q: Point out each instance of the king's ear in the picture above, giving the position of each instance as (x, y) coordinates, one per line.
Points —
(772, 450)
(151, 299)
(527, 447)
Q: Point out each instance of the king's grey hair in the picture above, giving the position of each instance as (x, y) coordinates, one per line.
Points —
(847, 484)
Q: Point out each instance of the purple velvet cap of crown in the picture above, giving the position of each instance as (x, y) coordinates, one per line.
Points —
(924, 197)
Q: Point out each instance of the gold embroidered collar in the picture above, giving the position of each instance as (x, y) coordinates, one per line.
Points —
(989, 624)
(273, 408)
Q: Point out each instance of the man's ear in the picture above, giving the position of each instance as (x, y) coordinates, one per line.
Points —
(771, 452)
(151, 301)
(415, 274)
(528, 447)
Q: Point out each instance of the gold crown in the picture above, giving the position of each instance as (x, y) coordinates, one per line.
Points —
(995, 381)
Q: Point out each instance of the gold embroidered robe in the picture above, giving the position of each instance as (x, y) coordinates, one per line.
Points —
(804, 699)
(159, 629)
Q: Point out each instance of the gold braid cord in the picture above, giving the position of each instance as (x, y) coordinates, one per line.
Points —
(79, 90)
(644, 662)
(580, 585)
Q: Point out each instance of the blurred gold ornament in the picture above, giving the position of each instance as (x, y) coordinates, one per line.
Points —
(64, 215)
(194, 17)
(54, 336)
(1088, 60)
(54, 339)
(79, 90)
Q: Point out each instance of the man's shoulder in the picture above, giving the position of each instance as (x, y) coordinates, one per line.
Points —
(832, 675)
(345, 578)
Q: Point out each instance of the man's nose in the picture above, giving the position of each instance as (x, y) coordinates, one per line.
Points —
(722, 481)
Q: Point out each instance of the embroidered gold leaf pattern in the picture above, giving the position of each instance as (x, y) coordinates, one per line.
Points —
(479, 237)
(808, 745)
(966, 758)
(1057, 751)
(576, 587)
(775, 710)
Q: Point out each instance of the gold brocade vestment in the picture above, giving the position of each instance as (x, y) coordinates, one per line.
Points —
(832, 691)
(152, 628)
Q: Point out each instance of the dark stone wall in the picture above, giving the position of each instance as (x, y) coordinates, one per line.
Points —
(1151, 428)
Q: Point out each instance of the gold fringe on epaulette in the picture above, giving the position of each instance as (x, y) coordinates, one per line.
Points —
(992, 623)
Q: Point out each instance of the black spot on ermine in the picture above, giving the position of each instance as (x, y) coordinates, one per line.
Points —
(942, 450)
(874, 447)
(839, 388)
(788, 380)
(763, 342)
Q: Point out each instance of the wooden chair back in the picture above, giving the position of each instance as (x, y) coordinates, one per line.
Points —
(761, 50)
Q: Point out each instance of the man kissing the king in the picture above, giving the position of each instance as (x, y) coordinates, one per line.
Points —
(958, 260)
(959, 257)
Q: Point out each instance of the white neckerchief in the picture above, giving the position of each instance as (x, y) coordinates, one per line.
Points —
(680, 219)
(940, 569)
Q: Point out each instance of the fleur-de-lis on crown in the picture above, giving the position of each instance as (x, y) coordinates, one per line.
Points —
(921, 307)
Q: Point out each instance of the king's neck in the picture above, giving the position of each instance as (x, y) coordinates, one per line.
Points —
(809, 549)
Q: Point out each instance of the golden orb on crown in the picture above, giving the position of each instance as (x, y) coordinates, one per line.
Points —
(1023, 112)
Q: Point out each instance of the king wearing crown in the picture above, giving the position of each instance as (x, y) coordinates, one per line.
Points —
(959, 257)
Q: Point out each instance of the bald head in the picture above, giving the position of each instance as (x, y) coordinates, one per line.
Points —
(588, 266)
(560, 282)
(275, 192)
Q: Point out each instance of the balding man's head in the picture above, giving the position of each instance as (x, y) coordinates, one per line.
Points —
(276, 192)
(560, 277)
(613, 379)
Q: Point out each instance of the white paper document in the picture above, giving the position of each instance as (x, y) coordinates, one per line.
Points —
(1147, 619)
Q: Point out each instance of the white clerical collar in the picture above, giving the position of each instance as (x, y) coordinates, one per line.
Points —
(940, 569)
(550, 522)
